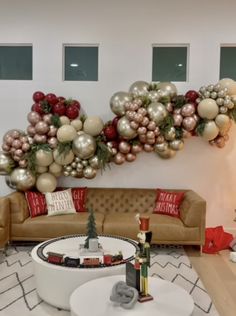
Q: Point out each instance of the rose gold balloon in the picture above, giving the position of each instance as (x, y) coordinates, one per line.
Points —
(136, 148)
(142, 111)
(157, 131)
(169, 107)
(19, 152)
(52, 141)
(23, 139)
(119, 158)
(52, 131)
(138, 118)
(47, 118)
(25, 147)
(189, 123)
(15, 133)
(130, 157)
(33, 117)
(178, 118)
(188, 110)
(127, 106)
(16, 143)
(41, 128)
(142, 130)
(23, 163)
(177, 111)
(124, 147)
(5, 147)
(130, 115)
(12, 150)
(134, 124)
(145, 121)
(196, 117)
(142, 138)
(148, 148)
(31, 130)
(151, 126)
(9, 140)
(150, 134)
(113, 151)
(220, 142)
(151, 141)
(40, 139)
(16, 158)
(160, 139)
(134, 107)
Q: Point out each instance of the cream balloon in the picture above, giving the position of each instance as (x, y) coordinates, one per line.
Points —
(66, 133)
(223, 122)
(20, 179)
(46, 182)
(124, 128)
(55, 168)
(167, 87)
(157, 112)
(64, 120)
(63, 158)
(139, 88)
(84, 146)
(77, 124)
(210, 131)
(118, 101)
(93, 125)
(229, 84)
(208, 109)
(43, 157)
(41, 169)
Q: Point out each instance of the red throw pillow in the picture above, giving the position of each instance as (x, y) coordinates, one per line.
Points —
(36, 203)
(168, 203)
(79, 198)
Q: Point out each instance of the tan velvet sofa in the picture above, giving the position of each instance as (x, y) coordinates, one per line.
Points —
(115, 211)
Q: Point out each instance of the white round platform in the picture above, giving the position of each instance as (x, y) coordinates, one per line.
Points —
(93, 298)
(55, 283)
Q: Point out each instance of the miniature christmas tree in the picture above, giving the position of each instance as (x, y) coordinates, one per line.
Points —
(91, 228)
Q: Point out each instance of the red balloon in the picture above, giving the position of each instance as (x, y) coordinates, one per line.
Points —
(59, 108)
(72, 112)
(110, 132)
(115, 121)
(75, 103)
(38, 96)
(37, 107)
(51, 98)
(191, 95)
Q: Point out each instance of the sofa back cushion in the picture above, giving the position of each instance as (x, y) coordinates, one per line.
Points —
(19, 207)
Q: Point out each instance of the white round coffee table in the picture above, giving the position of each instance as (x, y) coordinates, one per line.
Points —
(55, 283)
(93, 299)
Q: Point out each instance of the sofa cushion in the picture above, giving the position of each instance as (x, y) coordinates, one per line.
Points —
(59, 203)
(168, 203)
(45, 227)
(79, 197)
(36, 203)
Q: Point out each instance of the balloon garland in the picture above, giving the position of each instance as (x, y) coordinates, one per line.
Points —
(151, 117)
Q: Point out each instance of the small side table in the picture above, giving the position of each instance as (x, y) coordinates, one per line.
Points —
(4, 222)
(93, 298)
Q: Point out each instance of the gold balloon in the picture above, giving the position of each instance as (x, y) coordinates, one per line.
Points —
(124, 128)
(168, 153)
(118, 101)
(167, 87)
(210, 130)
(94, 162)
(170, 134)
(46, 182)
(157, 112)
(21, 179)
(161, 147)
(89, 172)
(139, 88)
(6, 163)
(84, 146)
(176, 144)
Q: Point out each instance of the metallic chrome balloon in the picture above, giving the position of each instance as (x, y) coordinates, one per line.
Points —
(139, 88)
(157, 112)
(154, 96)
(170, 134)
(20, 179)
(118, 101)
(89, 172)
(6, 163)
(84, 146)
(176, 144)
(124, 128)
(166, 154)
(94, 162)
(188, 109)
(167, 87)
(189, 123)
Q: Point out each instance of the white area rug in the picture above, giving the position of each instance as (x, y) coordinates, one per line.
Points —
(18, 295)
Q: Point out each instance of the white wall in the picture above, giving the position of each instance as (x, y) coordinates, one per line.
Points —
(125, 31)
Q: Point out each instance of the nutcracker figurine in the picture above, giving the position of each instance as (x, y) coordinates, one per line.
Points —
(143, 256)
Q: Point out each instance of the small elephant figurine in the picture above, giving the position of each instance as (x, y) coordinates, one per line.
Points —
(123, 294)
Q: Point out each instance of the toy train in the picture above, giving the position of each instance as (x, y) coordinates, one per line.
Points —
(87, 262)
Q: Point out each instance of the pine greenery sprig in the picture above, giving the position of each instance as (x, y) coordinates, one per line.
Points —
(64, 148)
(232, 114)
(178, 132)
(30, 156)
(55, 119)
(83, 118)
(167, 123)
(165, 100)
(145, 100)
(179, 101)
(201, 126)
(46, 106)
(103, 153)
